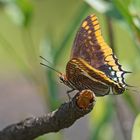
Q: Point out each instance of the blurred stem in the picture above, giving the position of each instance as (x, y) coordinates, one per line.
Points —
(110, 32)
(112, 44)
(131, 102)
(53, 90)
(106, 118)
(121, 120)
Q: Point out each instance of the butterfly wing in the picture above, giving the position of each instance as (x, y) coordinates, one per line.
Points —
(89, 45)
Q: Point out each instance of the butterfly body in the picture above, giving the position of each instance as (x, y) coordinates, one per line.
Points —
(93, 64)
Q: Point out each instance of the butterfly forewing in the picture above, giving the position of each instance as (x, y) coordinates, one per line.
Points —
(90, 46)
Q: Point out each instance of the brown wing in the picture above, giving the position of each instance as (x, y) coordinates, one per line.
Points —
(90, 46)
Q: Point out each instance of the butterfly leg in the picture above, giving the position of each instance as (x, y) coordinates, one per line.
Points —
(68, 93)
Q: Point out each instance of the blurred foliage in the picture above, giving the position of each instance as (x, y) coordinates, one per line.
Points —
(50, 136)
(136, 129)
(19, 10)
(33, 28)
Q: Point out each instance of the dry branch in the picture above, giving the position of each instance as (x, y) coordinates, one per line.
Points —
(61, 118)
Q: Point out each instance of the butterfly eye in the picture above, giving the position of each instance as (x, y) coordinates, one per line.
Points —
(62, 78)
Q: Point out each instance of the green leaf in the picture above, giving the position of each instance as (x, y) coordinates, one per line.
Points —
(136, 129)
(100, 5)
(20, 11)
(136, 4)
(26, 8)
(124, 11)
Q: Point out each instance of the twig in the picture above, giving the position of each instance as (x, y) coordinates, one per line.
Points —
(61, 118)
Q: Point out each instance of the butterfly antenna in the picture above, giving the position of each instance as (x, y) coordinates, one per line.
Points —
(133, 89)
(127, 72)
(50, 68)
(45, 59)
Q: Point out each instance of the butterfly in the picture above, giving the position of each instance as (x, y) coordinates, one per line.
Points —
(92, 64)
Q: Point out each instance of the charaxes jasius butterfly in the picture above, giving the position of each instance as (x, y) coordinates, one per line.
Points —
(93, 65)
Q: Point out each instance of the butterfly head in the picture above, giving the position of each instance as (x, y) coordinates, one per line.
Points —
(63, 78)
